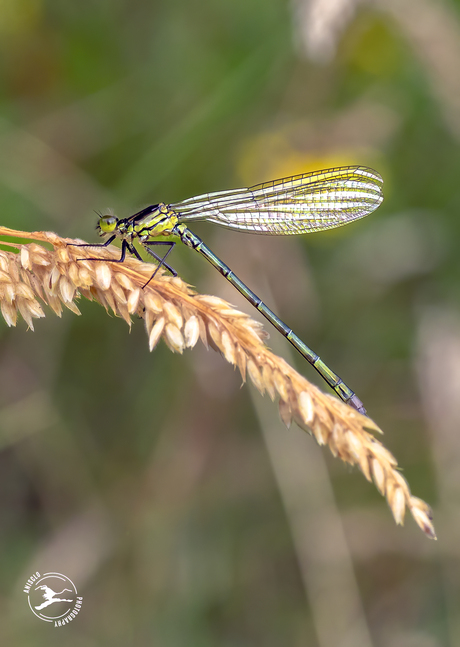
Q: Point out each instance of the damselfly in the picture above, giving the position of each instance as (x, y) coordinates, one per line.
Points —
(293, 205)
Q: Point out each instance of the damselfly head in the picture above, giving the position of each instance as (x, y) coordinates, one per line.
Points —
(107, 224)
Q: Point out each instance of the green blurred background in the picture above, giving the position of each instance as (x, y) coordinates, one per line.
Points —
(183, 510)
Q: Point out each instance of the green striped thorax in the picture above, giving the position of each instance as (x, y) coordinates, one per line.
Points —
(152, 222)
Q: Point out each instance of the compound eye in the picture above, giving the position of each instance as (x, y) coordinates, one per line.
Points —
(107, 224)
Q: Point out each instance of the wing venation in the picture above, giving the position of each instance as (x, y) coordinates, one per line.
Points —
(293, 205)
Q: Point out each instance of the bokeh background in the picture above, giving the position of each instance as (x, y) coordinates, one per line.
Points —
(182, 509)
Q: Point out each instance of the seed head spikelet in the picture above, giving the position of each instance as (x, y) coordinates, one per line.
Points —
(172, 310)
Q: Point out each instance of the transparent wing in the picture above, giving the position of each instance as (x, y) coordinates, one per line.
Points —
(293, 205)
